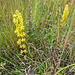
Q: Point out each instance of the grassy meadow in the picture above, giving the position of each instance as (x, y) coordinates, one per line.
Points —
(37, 37)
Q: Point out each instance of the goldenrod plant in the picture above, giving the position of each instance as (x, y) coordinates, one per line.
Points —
(65, 15)
(18, 21)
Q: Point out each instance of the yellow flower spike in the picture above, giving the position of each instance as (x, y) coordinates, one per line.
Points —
(18, 21)
(64, 16)
(15, 21)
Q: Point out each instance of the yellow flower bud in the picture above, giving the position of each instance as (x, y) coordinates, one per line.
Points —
(17, 12)
(23, 34)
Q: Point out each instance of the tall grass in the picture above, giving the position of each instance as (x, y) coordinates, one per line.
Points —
(50, 48)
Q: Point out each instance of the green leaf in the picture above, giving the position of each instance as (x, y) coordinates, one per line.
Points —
(3, 63)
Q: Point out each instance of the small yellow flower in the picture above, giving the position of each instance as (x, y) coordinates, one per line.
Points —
(20, 17)
(23, 39)
(23, 46)
(18, 34)
(15, 21)
(22, 28)
(17, 30)
(23, 34)
(19, 41)
(21, 20)
(23, 51)
(18, 13)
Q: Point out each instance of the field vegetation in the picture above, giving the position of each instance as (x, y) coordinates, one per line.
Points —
(37, 37)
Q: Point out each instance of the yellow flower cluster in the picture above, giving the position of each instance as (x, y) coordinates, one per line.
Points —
(18, 21)
(64, 16)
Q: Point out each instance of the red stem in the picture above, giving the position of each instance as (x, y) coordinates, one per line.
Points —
(69, 34)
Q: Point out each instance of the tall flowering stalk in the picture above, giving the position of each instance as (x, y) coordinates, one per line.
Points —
(64, 16)
(18, 21)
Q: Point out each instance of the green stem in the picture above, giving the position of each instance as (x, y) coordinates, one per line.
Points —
(64, 68)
